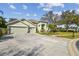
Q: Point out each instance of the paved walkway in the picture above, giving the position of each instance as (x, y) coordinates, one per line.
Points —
(23, 44)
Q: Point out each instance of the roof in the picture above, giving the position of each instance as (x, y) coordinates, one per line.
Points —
(43, 22)
(24, 22)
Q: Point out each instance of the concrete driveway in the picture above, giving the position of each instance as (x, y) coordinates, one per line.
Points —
(27, 44)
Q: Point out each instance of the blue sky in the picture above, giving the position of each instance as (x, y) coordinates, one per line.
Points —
(34, 10)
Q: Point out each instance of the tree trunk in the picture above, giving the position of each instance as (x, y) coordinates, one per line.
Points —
(73, 34)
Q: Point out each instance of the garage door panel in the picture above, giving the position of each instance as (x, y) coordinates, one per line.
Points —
(19, 30)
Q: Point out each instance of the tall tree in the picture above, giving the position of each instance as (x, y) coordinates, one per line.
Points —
(48, 17)
(2, 22)
(70, 17)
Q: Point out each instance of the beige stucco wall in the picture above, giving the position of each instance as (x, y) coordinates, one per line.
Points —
(22, 24)
(33, 30)
(18, 24)
(39, 26)
(28, 23)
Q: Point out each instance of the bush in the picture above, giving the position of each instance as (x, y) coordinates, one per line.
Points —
(61, 29)
(0, 32)
(3, 31)
(52, 27)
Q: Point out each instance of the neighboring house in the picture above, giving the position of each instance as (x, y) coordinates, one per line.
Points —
(70, 27)
(21, 26)
(61, 26)
(73, 27)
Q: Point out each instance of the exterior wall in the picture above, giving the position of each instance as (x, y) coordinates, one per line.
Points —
(61, 26)
(22, 28)
(28, 23)
(39, 26)
(18, 24)
(33, 30)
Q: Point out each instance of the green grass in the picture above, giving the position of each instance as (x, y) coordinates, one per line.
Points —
(68, 35)
(47, 33)
(63, 34)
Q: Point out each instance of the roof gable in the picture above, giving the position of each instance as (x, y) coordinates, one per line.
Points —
(21, 23)
(18, 24)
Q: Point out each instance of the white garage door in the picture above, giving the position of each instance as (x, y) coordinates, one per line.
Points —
(19, 30)
(32, 30)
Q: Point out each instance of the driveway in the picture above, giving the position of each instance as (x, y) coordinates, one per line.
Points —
(27, 44)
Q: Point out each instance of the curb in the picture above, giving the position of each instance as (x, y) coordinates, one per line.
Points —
(72, 48)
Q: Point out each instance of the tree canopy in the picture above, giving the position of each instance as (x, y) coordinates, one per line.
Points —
(2, 22)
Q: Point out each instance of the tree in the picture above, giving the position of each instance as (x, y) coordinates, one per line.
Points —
(2, 22)
(52, 27)
(70, 17)
(48, 17)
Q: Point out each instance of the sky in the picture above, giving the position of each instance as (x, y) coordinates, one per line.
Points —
(34, 10)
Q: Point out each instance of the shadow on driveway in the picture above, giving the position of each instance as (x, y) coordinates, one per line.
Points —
(6, 37)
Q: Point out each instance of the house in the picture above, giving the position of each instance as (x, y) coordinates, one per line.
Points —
(25, 26)
(70, 27)
(21, 27)
(61, 26)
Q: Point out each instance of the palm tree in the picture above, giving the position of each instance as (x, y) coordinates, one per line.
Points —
(48, 17)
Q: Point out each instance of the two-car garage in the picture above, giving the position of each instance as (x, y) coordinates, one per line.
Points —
(20, 27)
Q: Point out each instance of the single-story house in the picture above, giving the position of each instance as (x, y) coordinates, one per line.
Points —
(61, 26)
(25, 26)
(21, 27)
(70, 26)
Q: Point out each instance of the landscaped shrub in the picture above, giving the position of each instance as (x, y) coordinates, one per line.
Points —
(52, 28)
(63, 30)
(3, 31)
(70, 30)
(0, 32)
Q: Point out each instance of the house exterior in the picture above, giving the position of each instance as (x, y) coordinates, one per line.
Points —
(61, 26)
(25, 26)
(42, 26)
(21, 27)
(70, 27)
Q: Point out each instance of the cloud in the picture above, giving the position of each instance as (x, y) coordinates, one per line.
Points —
(49, 6)
(34, 14)
(12, 6)
(77, 11)
(57, 4)
(27, 14)
(59, 13)
(47, 9)
(19, 13)
(24, 7)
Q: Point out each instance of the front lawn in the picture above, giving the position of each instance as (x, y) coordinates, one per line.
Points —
(68, 35)
(47, 33)
(63, 34)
